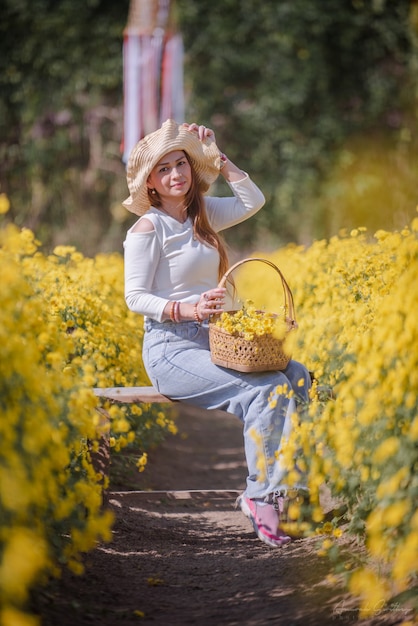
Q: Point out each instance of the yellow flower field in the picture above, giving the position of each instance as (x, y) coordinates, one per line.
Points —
(65, 329)
(356, 300)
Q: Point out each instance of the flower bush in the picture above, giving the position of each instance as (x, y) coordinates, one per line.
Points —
(356, 300)
(64, 329)
(86, 299)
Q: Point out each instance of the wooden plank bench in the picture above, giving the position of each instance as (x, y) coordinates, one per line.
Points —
(132, 395)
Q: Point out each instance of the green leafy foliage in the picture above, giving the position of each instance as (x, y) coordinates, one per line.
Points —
(284, 84)
(60, 116)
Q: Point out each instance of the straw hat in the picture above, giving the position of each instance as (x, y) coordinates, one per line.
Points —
(204, 155)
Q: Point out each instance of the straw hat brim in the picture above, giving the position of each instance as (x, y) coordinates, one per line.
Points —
(205, 157)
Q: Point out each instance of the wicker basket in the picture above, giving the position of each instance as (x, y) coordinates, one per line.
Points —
(261, 354)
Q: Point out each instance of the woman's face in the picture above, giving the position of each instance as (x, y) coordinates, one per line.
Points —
(172, 176)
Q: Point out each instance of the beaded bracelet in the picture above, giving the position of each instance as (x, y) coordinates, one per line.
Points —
(172, 311)
(196, 314)
(177, 312)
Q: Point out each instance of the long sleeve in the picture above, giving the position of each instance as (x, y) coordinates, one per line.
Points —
(225, 212)
(142, 254)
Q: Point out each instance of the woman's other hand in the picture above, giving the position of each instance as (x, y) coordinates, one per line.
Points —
(211, 301)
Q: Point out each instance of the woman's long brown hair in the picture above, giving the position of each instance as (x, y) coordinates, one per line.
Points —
(202, 229)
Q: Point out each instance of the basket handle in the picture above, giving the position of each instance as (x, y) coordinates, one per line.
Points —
(288, 296)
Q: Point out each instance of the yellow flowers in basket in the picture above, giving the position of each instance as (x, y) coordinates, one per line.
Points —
(249, 322)
(250, 340)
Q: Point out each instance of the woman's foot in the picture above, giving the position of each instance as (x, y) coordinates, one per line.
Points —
(265, 519)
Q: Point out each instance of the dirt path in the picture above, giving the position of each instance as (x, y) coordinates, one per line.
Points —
(182, 555)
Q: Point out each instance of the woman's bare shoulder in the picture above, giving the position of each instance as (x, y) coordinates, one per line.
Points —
(143, 225)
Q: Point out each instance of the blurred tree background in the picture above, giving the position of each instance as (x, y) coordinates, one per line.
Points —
(317, 99)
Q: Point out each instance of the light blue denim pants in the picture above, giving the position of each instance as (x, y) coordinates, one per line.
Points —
(177, 360)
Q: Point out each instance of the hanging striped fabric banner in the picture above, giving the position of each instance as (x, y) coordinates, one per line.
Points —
(153, 88)
(172, 103)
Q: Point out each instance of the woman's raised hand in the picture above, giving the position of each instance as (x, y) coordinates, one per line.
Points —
(201, 131)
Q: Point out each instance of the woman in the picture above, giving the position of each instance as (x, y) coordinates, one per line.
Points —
(174, 259)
